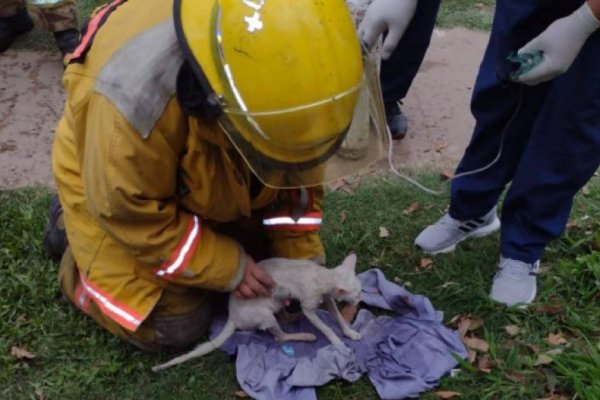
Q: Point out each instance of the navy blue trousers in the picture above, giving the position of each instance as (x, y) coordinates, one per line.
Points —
(552, 145)
(398, 72)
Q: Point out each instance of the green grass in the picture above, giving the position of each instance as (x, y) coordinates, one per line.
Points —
(472, 14)
(76, 359)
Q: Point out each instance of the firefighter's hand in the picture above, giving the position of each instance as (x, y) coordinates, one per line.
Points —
(391, 16)
(559, 44)
(256, 282)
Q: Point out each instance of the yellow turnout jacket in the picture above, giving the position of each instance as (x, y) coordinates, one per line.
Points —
(144, 186)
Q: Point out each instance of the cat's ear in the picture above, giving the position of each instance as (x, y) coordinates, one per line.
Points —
(349, 262)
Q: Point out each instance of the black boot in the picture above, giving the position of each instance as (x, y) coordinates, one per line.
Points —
(11, 27)
(396, 120)
(67, 40)
(55, 236)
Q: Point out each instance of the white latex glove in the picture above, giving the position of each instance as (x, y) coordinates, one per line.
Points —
(391, 16)
(560, 43)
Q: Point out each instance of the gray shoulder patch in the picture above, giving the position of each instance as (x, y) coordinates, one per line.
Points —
(140, 78)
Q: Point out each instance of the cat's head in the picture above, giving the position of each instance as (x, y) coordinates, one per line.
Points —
(348, 287)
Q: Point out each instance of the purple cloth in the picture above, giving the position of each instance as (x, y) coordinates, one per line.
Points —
(403, 355)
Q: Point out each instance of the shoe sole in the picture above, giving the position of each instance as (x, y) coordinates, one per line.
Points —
(479, 232)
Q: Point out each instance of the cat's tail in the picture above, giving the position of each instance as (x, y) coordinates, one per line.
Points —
(201, 349)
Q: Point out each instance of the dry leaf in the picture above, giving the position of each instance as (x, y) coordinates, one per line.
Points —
(472, 355)
(548, 309)
(553, 396)
(476, 323)
(483, 364)
(411, 209)
(21, 353)
(446, 394)
(476, 344)
(534, 348)
(349, 312)
(512, 330)
(463, 326)
(516, 377)
(240, 394)
(447, 174)
(572, 224)
(543, 359)
(585, 190)
(556, 339)
(426, 263)
(342, 216)
(383, 232)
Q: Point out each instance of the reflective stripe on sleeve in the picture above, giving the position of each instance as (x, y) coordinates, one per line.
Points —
(123, 315)
(308, 222)
(182, 255)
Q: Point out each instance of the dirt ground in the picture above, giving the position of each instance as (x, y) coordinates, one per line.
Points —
(437, 106)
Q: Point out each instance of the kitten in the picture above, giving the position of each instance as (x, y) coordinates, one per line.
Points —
(311, 284)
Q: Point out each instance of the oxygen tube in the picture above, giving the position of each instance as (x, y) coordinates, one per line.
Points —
(511, 69)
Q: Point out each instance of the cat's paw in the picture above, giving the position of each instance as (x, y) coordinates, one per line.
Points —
(352, 334)
(310, 337)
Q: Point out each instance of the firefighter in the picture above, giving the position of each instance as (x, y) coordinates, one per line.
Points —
(195, 141)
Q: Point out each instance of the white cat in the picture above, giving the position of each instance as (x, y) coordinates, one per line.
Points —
(310, 283)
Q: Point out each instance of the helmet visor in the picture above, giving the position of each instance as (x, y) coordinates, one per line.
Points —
(310, 143)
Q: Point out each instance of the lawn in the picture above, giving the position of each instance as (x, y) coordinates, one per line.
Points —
(553, 347)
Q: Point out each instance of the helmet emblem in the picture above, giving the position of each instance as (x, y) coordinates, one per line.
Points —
(254, 22)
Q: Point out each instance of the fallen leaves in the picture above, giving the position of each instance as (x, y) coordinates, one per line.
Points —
(426, 263)
(556, 339)
(466, 325)
(240, 394)
(447, 174)
(411, 209)
(512, 330)
(383, 232)
(476, 343)
(549, 309)
(484, 365)
(546, 358)
(585, 190)
(446, 394)
(21, 353)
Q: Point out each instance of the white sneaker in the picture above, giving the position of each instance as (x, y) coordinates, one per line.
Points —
(515, 282)
(447, 232)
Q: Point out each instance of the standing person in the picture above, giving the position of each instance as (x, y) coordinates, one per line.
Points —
(56, 16)
(548, 127)
(196, 138)
(407, 26)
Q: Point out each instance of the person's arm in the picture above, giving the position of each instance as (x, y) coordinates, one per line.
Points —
(130, 184)
(561, 42)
